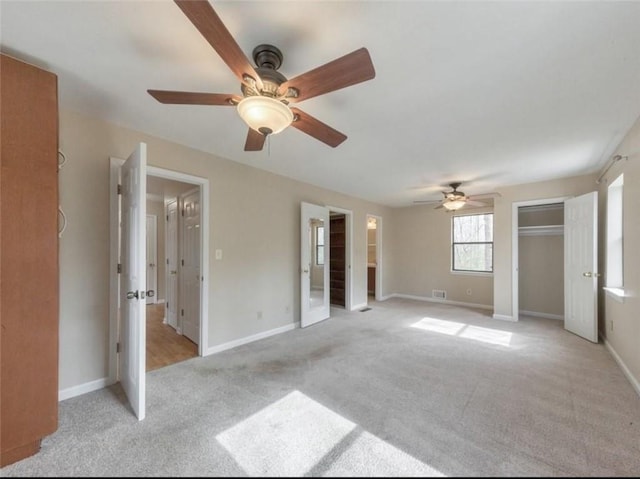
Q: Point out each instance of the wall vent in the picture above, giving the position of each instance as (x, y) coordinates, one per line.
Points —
(438, 293)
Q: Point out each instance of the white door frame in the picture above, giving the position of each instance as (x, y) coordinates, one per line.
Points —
(114, 234)
(378, 291)
(515, 312)
(348, 254)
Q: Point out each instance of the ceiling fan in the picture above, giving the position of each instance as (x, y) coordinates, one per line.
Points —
(456, 199)
(267, 93)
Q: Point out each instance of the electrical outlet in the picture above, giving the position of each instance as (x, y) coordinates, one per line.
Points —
(469, 292)
(287, 309)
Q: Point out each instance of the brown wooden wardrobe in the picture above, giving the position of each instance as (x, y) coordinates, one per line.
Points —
(28, 258)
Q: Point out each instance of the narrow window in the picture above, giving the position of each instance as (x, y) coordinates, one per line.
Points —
(319, 245)
(472, 243)
(614, 234)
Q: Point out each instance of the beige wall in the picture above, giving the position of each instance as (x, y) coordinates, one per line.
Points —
(420, 238)
(621, 321)
(541, 274)
(257, 272)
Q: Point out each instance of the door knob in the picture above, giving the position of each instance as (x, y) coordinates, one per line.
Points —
(132, 294)
(587, 274)
(151, 293)
(305, 270)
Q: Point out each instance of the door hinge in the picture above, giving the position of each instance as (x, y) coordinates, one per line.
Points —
(167, 305)
(167, 217)
(182, 211)
(167, 260)
(119, 268)
(182, 312)
(117, 347)
(119, 189)
(182, 262)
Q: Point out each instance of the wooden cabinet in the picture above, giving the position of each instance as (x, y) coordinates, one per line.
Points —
(29, 260)
(337, 260)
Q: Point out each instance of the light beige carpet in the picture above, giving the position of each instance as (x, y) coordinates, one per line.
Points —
(406, 389)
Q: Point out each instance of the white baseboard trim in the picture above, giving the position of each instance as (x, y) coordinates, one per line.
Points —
(358, 306)
(249, 339)
(384, 298)
(83, 388)
(504, 317)
(542, 315)
(443, 301)
(634, 382)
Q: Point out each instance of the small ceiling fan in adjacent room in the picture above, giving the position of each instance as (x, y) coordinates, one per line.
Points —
(265, 92)
(455, 199)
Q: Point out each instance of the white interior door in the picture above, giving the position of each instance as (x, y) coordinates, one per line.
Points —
(171, 248)
(581, 265)
(152, 259)
(190, 266)
(133, 276)
(314, 264)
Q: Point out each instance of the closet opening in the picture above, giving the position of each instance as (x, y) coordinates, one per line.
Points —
(538, 259)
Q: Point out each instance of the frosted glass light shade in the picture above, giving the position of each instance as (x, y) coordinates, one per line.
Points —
(454, 205)
(264, 114)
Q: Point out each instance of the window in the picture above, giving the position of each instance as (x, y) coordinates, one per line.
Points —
(472, 245)
(319, 245)
(614, 234)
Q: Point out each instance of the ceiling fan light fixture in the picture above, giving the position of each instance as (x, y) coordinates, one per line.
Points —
(453, 205)
(264, 114)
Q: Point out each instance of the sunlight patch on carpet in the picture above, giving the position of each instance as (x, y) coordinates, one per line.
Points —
(287, 438)
(370, 456)
(462, 330)
(297, 436)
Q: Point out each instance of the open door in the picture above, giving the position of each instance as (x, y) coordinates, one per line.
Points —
(314, 264)
(580, 268)
(190, 278)
(133, 278)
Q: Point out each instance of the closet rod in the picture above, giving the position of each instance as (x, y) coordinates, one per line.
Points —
(615, 159)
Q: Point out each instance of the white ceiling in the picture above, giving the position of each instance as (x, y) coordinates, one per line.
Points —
(487, 93)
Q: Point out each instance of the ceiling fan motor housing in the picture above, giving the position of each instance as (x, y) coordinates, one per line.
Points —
(268, 59)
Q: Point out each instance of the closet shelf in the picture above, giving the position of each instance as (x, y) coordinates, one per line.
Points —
(541, 230)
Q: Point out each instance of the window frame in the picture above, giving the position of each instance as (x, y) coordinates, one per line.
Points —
(614, 278)
(454, 243)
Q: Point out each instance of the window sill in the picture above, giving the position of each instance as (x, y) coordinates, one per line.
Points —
(473, 273)
(615, 293)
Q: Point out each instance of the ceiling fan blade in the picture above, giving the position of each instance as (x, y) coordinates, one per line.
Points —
(345, 71)
(427, 202)
(439, 206)
(209, 24)
(194, 98)
(255, 140)
(315, 128)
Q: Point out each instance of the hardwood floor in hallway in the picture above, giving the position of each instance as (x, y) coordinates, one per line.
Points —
(164, 345)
